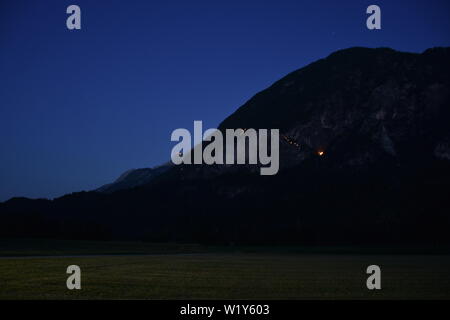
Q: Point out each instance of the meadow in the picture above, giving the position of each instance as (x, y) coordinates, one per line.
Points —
(197, 273)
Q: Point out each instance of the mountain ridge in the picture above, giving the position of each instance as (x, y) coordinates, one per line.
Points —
(380, 119)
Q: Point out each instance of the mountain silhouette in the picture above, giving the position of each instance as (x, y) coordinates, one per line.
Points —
(133, 178)
(364, 159)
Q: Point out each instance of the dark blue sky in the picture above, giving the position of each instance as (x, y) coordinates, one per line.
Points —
(77, 108)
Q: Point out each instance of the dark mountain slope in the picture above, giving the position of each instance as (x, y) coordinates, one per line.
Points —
(380, 116)
(359, 105)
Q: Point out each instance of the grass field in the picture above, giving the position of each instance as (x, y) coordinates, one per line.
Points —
(227, 276)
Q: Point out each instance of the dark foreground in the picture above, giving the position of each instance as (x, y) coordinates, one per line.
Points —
(227, 276)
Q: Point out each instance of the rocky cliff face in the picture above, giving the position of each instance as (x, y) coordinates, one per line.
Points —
(358, 106)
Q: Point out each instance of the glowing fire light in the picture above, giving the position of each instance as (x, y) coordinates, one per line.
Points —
(320, 152)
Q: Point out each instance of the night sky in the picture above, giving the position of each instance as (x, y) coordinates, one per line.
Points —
(77, 108)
